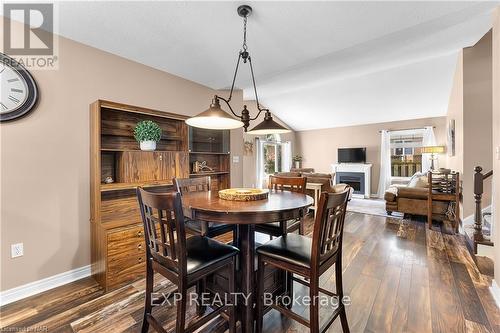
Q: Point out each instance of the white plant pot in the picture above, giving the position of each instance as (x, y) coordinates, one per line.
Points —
(149, 145)
(297, 165)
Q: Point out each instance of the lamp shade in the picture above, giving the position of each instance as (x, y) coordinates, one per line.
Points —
(268, 126)
(214, 118)
(433, 150)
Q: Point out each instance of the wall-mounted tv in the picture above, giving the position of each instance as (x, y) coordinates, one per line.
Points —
(352, 155)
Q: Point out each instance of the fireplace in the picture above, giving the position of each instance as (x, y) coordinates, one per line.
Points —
(354, 179)
(358, 175)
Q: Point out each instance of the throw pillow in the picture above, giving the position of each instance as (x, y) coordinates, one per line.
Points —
(419, 179)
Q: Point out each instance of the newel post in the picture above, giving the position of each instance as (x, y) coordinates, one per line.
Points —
(478, 193)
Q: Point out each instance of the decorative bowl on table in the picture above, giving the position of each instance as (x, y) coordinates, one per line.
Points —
(243, 194)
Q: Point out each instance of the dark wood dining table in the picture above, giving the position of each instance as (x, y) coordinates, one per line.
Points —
(279, 206)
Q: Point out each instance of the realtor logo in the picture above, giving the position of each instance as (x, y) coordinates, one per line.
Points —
(29, 34)
(37, 37)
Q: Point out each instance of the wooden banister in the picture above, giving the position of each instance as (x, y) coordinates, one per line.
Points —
(479, 179)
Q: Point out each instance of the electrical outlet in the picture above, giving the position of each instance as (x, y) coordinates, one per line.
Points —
(16, 250)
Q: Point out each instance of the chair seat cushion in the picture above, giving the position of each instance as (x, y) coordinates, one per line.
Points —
(274, 227)
(196, 225)
(201, 252)
(292, 248)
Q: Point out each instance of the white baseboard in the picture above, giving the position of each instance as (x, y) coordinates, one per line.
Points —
(486, 251)
(495, 291)
(36, 287)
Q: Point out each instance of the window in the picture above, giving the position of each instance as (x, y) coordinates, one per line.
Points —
(406, 156)
(274, 156)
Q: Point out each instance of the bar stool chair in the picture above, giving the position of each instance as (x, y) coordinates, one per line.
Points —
(182, 261)
(203, 228)
(293, 184)
(309, 258)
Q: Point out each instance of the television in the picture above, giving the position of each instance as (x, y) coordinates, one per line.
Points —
(351, 155)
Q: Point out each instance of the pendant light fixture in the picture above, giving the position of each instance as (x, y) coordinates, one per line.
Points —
(216, 118)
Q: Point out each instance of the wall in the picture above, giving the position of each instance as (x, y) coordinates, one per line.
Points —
(45, 156)
(496, 143)
(471, 107)
(477, 75)
(319, 147)
(456, 112)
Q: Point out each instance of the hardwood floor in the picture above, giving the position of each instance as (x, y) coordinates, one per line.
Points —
(425, 283)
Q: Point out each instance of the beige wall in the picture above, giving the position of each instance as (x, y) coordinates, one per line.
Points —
(456, 112)
(45, 156)
(496, 139)
(477, 143)
(319, 147)
(471, 107)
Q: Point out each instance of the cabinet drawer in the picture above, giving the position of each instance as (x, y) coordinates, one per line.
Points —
(131, 257)
(118, 276)
(126, 260)
(130, 240)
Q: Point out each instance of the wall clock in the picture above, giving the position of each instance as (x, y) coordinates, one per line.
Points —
(19, 92)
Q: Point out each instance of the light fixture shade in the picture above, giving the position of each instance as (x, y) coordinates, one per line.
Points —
(433, 150)
(214, 118)
(268, 126)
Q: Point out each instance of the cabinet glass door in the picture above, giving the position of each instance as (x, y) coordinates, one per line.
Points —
(208, 140)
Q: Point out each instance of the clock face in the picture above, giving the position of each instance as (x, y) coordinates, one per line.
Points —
(18, 89)
(14, 89)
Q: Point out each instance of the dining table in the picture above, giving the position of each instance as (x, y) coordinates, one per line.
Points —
(278, 206)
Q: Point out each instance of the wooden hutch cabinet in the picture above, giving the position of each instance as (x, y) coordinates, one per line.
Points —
(117, 237)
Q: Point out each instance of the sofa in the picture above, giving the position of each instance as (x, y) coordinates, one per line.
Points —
(326, 179)
(412, 198)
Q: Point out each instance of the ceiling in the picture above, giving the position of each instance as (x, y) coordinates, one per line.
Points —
(317, 64)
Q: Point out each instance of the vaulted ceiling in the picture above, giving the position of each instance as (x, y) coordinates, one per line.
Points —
(317, 64)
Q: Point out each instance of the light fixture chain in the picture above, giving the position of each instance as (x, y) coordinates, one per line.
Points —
(234, 77)
(225, 121)
(255, 89)
(245, 34)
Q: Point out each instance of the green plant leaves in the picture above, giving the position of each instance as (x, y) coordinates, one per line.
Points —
(147, 130)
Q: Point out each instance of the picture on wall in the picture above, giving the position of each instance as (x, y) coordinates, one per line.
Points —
(248, 148)
(451, 137)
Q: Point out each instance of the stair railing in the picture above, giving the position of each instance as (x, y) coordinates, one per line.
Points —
(479, 179)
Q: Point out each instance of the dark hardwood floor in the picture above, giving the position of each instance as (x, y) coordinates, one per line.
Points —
(427, 282)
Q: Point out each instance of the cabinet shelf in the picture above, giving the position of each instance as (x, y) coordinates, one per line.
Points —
(128, 136)
(146, 151)
(209, 173)
(131, 186)
(207, 153)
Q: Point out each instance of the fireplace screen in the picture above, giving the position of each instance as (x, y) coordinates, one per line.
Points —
(354, 179)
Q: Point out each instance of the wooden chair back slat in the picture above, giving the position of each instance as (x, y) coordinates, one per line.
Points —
(163, 222)
(187, 185)
(293, 184)
(329, 225)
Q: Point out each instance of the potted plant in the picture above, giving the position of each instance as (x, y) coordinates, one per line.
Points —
(297, 160)
(147, 133)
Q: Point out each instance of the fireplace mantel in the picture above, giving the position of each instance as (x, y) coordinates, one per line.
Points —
(355, 167)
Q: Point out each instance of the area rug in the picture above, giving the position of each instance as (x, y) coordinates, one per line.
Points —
(370, 207)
